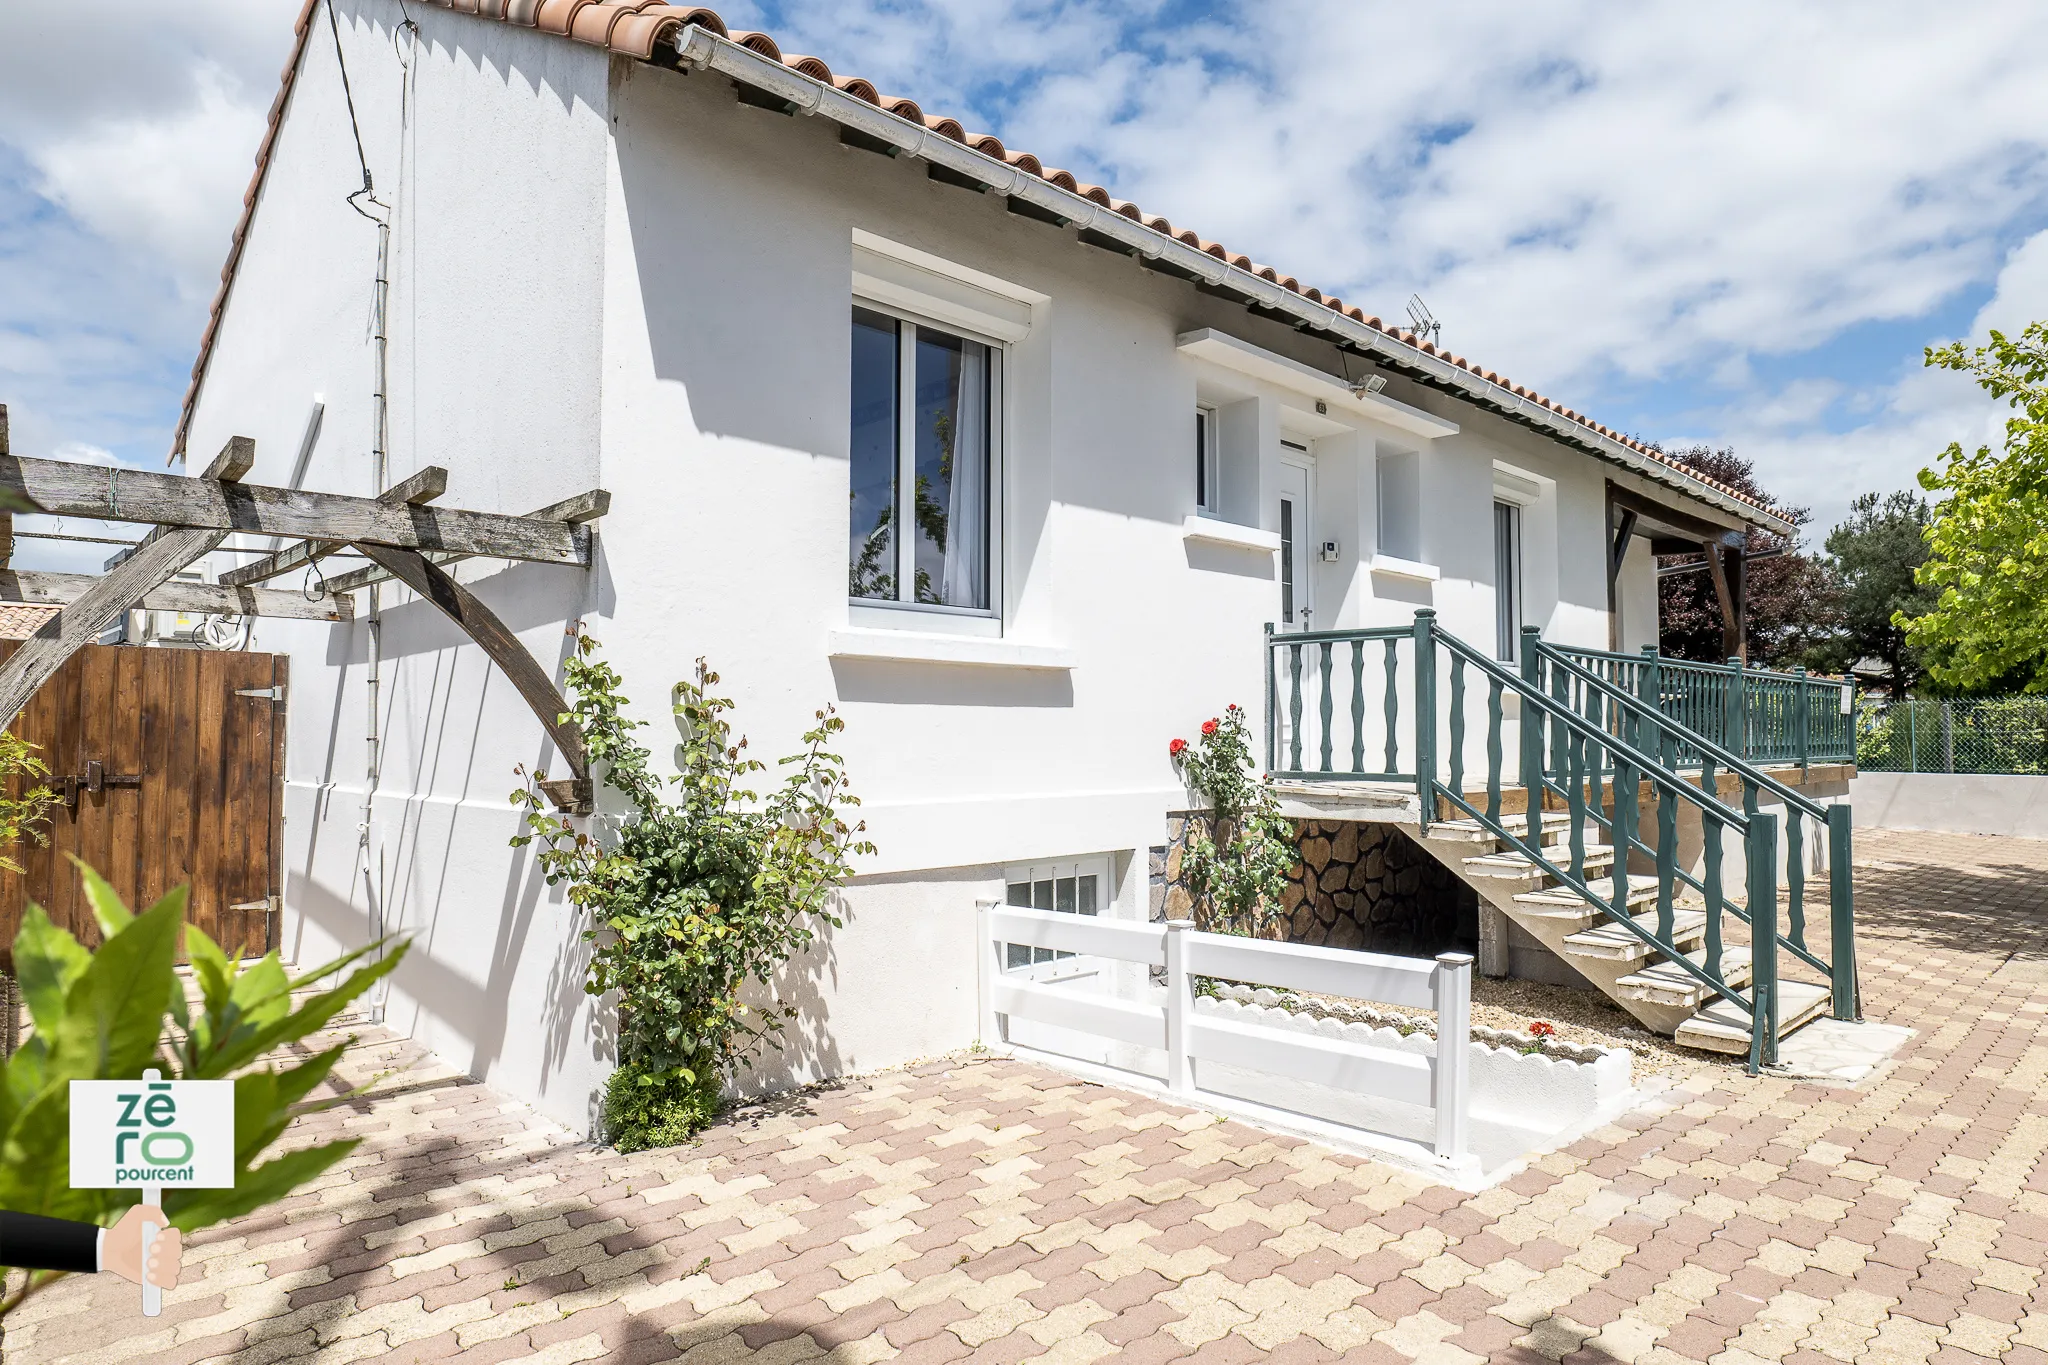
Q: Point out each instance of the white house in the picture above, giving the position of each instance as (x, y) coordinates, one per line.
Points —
(611, 245)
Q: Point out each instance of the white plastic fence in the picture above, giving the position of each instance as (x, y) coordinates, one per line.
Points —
(1438, 1082)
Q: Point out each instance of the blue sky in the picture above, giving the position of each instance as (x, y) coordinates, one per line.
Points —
(1738, 225)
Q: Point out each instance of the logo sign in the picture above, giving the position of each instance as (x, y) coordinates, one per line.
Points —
(131, 1134)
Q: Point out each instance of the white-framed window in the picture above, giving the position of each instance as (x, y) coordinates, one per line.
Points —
(1075, 887)
(1208, 473)
(925, 466)
(1507, 580)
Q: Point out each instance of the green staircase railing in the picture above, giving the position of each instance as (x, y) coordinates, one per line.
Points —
(1622, 768)
(1759, 715)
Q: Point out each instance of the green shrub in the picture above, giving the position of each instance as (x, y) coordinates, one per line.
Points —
(692, 900)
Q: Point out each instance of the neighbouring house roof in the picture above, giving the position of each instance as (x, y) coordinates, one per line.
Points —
(20, 620)
(674, 35)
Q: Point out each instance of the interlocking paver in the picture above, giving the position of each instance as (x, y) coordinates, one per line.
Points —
(985, 1210)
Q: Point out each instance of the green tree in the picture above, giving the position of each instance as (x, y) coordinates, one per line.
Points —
(1873, 558)
(1988, 544)
(1791, 603)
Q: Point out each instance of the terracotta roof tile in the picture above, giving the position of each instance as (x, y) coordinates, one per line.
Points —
(20, 620)
(638, 28)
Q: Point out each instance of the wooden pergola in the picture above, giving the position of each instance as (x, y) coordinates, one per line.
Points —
(400, 532)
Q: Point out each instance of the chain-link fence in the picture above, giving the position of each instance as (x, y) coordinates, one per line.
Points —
(1998, 735)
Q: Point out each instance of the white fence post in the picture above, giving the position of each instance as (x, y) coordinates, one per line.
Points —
(1451, 1090)
(986, 967)
(1180, 1001)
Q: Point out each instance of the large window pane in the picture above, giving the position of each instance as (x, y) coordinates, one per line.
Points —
(871, 549)
(951, 431)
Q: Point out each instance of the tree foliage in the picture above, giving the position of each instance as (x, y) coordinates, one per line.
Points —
(1988, 545)
(1237, 859)
(692, 900)
(25, 799)
(113, 1012)
(1792, 604)
(1873, 558)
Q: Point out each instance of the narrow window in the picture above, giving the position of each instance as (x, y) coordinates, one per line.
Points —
(1207, 500)
(922, 464)
(1287, 560)
(871, 551)
(1507, 579)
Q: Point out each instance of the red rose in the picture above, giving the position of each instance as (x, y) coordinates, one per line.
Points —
(1542, 1030)
(1208, 729)
(1174, 749)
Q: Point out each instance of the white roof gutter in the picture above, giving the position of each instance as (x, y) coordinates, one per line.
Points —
(704, 50)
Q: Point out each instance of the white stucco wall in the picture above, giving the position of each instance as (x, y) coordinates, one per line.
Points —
(606, 274)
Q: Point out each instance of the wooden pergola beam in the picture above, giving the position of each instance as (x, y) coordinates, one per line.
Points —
(62, 589)
(482, 625)
(577, 510)
(420, 489)
(140, 572)
(108, 493)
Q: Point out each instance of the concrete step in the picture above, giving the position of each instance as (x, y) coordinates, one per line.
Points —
(1721, 1027)
(1642, 890)
(1511, 866)
(1666, 983)
(1556, 823)
(1614, 943)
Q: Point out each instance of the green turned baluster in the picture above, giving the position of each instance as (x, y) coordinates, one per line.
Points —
(1800, 732)
(1358, 706)
(1575, 804)
(1294, 708)
(1561, 683)
(1458, 723)
(1627, 782)
(1795, 878)
(1712, 826)
(1391, 709)
(1325, 712)
(1493, 712)
(1667, 845)
(1531, 760)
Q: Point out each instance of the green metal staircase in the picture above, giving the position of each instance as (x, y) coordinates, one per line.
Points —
(1618, 783)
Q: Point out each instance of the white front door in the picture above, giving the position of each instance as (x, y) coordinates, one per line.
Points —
(1297, 540)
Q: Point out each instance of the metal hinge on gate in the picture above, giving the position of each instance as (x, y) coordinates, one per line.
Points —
(273, 693)
(268, 905)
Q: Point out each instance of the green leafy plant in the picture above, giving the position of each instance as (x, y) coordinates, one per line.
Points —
(25, 799)
(696, 897)
(1238, 856)
(1988, 543)
(112, 1012)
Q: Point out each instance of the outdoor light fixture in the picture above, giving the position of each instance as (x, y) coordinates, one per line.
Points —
(1365, 388)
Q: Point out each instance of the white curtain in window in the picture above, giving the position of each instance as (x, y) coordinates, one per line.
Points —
(965, 580)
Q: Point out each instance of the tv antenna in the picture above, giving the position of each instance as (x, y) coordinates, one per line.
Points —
(1424, 323)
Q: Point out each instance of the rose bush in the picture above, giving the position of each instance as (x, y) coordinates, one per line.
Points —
(1238, 856)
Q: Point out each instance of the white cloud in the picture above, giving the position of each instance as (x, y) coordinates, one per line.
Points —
(166, 185)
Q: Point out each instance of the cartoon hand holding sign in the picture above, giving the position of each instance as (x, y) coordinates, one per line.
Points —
(143, 1135)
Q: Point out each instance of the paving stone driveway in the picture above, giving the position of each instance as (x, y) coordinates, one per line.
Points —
(993, 1210)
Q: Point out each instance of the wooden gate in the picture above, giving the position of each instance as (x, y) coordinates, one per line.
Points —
(169, 768)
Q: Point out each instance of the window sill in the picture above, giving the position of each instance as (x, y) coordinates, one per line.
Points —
(1405, 568)
(1214, 531)
(961, 651)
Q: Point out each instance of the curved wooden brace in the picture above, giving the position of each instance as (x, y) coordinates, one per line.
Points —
(482, 625)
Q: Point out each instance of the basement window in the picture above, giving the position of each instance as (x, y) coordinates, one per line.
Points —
(1072, 888)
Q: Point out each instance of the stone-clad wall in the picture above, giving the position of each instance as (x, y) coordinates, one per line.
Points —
(1358, 885)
